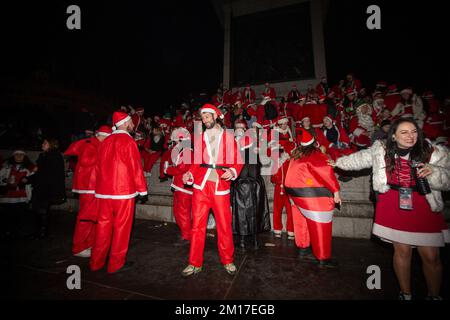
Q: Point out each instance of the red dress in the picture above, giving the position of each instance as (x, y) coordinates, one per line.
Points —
(417, 227)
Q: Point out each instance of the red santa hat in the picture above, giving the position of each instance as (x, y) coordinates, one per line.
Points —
(138, 135)
(329, 117)
(180, 134)
(104, 131)
(427, 95)
(119, 118)
(392, 87)
(407, 90)
(322, 97)
(350, 91)
(282, 120)
(265, 100)
(381, 83)
(306, 139)
(240, 124)
(304, 118)
(210, 108)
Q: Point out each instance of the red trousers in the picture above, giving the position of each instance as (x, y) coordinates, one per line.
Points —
(182, 207)
(150, 160)
(202, 202)
(114, 222)
(281, 200)
(84, 235)
(308, 231)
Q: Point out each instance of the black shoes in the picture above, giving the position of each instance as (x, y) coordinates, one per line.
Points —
(328, 263)
(181, 242)
(163, 179)
(306, 254)
(344, 178)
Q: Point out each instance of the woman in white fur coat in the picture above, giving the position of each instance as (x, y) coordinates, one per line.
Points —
(422, 226)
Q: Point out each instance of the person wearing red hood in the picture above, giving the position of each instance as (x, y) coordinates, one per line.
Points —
(217, 162)
(313, 190)
(176, 165)
(83, 183)
(248, 95)
(392, 97)
(269, 91)
(119, 179)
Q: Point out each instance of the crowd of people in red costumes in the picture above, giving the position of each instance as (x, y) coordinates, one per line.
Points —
(343, 118)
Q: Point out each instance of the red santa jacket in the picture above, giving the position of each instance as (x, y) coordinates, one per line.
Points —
(228, 156)
(285, 139)
(310, 180)
(433, 126)
(11, 177)
(119, 170)
(391, 100)
(85, 150)
(248, 95)
(316, 112)
(358, 133)
(269, 92)
(176, 165)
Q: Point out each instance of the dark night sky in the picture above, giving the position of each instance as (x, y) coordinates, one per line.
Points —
(154, 52)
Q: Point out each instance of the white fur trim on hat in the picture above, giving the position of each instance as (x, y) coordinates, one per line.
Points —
(104, 134)
(210, 110)
(121, 122)
(283, 120)
(307, 143)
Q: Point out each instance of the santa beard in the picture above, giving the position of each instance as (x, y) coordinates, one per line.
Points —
(366, 121)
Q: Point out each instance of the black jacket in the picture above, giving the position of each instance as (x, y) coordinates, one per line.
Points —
(49, 180)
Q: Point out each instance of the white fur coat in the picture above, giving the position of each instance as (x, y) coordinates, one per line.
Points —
(373, 157)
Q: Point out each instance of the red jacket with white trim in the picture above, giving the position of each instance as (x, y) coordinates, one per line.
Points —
(119, 168)
(84, 175)
(177, 164)
(11, 177)
(228, 156)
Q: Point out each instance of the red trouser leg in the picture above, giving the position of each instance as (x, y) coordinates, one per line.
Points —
(149, 161)
(113, 231)
(84, 234)
(289, 221)
(300, 228)
(202, 201)
(182, 207)
(320, 234)
(278, 203)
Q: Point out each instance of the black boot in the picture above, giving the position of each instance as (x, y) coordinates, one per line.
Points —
(306, 254)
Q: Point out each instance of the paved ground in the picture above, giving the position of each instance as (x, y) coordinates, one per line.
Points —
(37, 269)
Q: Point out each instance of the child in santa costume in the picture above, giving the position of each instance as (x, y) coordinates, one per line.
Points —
(177, 164)
(119, 179)
(313, 189)
(217, 162)
(83, 183)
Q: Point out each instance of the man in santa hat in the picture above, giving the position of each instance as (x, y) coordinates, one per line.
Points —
(177, 164)
(269, 91)
(362, 127)
(119, 179)
(353, 83)
(83, 183)
(322, 88)
(337, 139)
(410, 105)
(294, 94)
(217, 162)
(248, 95)
(138, 119)
(392, 97)
(313, 190)
(282, 135)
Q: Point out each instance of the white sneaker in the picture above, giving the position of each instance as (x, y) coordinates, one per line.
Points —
(84, 254)
(277, 233)
(291, 235)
